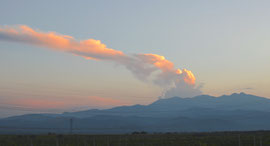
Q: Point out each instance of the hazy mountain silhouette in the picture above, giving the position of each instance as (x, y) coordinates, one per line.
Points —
(201, 113)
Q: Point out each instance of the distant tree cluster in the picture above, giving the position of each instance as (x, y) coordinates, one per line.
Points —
(136, 132)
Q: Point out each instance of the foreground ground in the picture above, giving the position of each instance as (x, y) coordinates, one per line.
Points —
(254, 138)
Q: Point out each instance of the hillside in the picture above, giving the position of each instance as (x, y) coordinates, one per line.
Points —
(201, 113)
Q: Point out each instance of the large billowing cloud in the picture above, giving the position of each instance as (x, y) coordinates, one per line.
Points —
(146, 67)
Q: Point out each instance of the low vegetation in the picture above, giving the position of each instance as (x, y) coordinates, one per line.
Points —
(254, 138)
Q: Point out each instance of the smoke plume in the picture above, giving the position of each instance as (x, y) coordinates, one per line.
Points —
(146, 67)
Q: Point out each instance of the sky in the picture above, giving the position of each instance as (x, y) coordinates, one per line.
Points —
(224, 43)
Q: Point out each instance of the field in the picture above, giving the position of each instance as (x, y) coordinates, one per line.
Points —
(255, 138)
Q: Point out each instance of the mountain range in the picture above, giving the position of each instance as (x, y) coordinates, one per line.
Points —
(204, 113)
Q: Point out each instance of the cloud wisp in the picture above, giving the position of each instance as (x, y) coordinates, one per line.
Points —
(146, 67)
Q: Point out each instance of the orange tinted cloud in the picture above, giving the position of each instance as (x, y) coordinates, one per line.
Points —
(167, 66)
(189, 77)
(143, 66)
(87, 48)
(159, 61)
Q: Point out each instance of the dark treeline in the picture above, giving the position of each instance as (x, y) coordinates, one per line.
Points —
(249, 138)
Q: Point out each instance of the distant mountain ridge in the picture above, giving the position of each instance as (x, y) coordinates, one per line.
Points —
(201, 113)
(235, 101)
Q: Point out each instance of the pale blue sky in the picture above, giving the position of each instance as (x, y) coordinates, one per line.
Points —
(225, 43)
